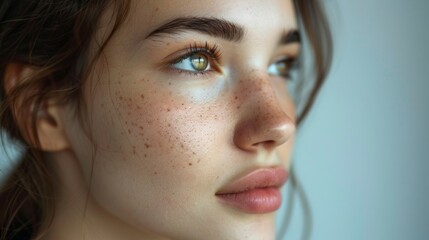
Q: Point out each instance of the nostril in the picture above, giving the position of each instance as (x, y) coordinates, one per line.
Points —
(265, 144)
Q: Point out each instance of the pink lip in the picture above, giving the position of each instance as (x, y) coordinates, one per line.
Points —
(257, 191)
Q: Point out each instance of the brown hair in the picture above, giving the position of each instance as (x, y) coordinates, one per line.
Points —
(54, 37)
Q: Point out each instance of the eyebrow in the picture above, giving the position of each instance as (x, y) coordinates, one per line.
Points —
(291, 36)
(215, 27)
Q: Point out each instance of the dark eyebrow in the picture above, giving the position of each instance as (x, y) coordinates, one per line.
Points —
(212, 26)
(292, 36)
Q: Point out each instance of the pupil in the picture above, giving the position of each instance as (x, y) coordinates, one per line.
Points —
(199, 62)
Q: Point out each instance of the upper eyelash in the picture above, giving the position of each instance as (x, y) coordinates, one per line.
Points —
(212, 51)
(295, 63)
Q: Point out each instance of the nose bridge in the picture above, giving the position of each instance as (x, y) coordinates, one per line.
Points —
(259, 96)
(264, 121)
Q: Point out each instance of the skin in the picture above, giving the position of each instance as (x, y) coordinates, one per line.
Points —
(163, 142)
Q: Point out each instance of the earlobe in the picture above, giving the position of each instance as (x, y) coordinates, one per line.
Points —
(50, 135)
(50, 130)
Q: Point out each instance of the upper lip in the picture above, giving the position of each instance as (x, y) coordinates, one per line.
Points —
(259, 178)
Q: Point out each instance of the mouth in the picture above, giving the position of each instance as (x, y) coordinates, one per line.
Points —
(256, 192)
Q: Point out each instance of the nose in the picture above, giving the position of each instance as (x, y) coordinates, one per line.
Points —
(264, 121)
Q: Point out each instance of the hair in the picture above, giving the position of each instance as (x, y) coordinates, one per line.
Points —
(54, 38)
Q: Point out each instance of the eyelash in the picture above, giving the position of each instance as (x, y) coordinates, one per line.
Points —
(212, 52)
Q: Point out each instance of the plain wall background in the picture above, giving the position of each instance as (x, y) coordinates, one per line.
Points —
(363, 153)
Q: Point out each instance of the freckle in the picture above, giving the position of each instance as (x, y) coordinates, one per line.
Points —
(129, 131)
(142, 96)
(169, 83)
(193, 153)
(169, 125)
(199, 160)
(145, 155)
(181, 145)
(156, 9)
(168, 110)
(147, 145)
(190, 164)
(129, 113)
(183, 104)
(141, 127)
(156, 173)
(120, 97)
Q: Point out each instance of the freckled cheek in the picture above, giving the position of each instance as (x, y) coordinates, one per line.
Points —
(164, 131)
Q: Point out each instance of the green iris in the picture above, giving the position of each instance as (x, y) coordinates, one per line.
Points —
(199, 62)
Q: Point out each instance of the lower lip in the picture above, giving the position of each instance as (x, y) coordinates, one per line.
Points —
(259, 200)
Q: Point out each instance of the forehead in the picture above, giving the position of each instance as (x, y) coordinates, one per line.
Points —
(256, 16)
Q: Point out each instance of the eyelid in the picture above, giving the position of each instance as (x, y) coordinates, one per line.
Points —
(192, 50)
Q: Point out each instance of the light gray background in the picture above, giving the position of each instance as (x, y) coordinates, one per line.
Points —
(363, 153)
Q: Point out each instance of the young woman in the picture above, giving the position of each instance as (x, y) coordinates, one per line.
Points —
(152, 119)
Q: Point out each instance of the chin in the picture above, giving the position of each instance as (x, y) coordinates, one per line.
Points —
(253, 227)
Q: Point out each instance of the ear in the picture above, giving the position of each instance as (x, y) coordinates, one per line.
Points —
(49, 125)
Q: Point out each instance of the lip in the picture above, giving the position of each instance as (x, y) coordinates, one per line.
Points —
(255, 192)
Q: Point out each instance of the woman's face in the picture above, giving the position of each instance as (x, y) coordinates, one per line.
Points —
(187, 99)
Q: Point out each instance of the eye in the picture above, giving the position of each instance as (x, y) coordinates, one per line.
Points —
(282, 68)
(195, 62)
(198, 59)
